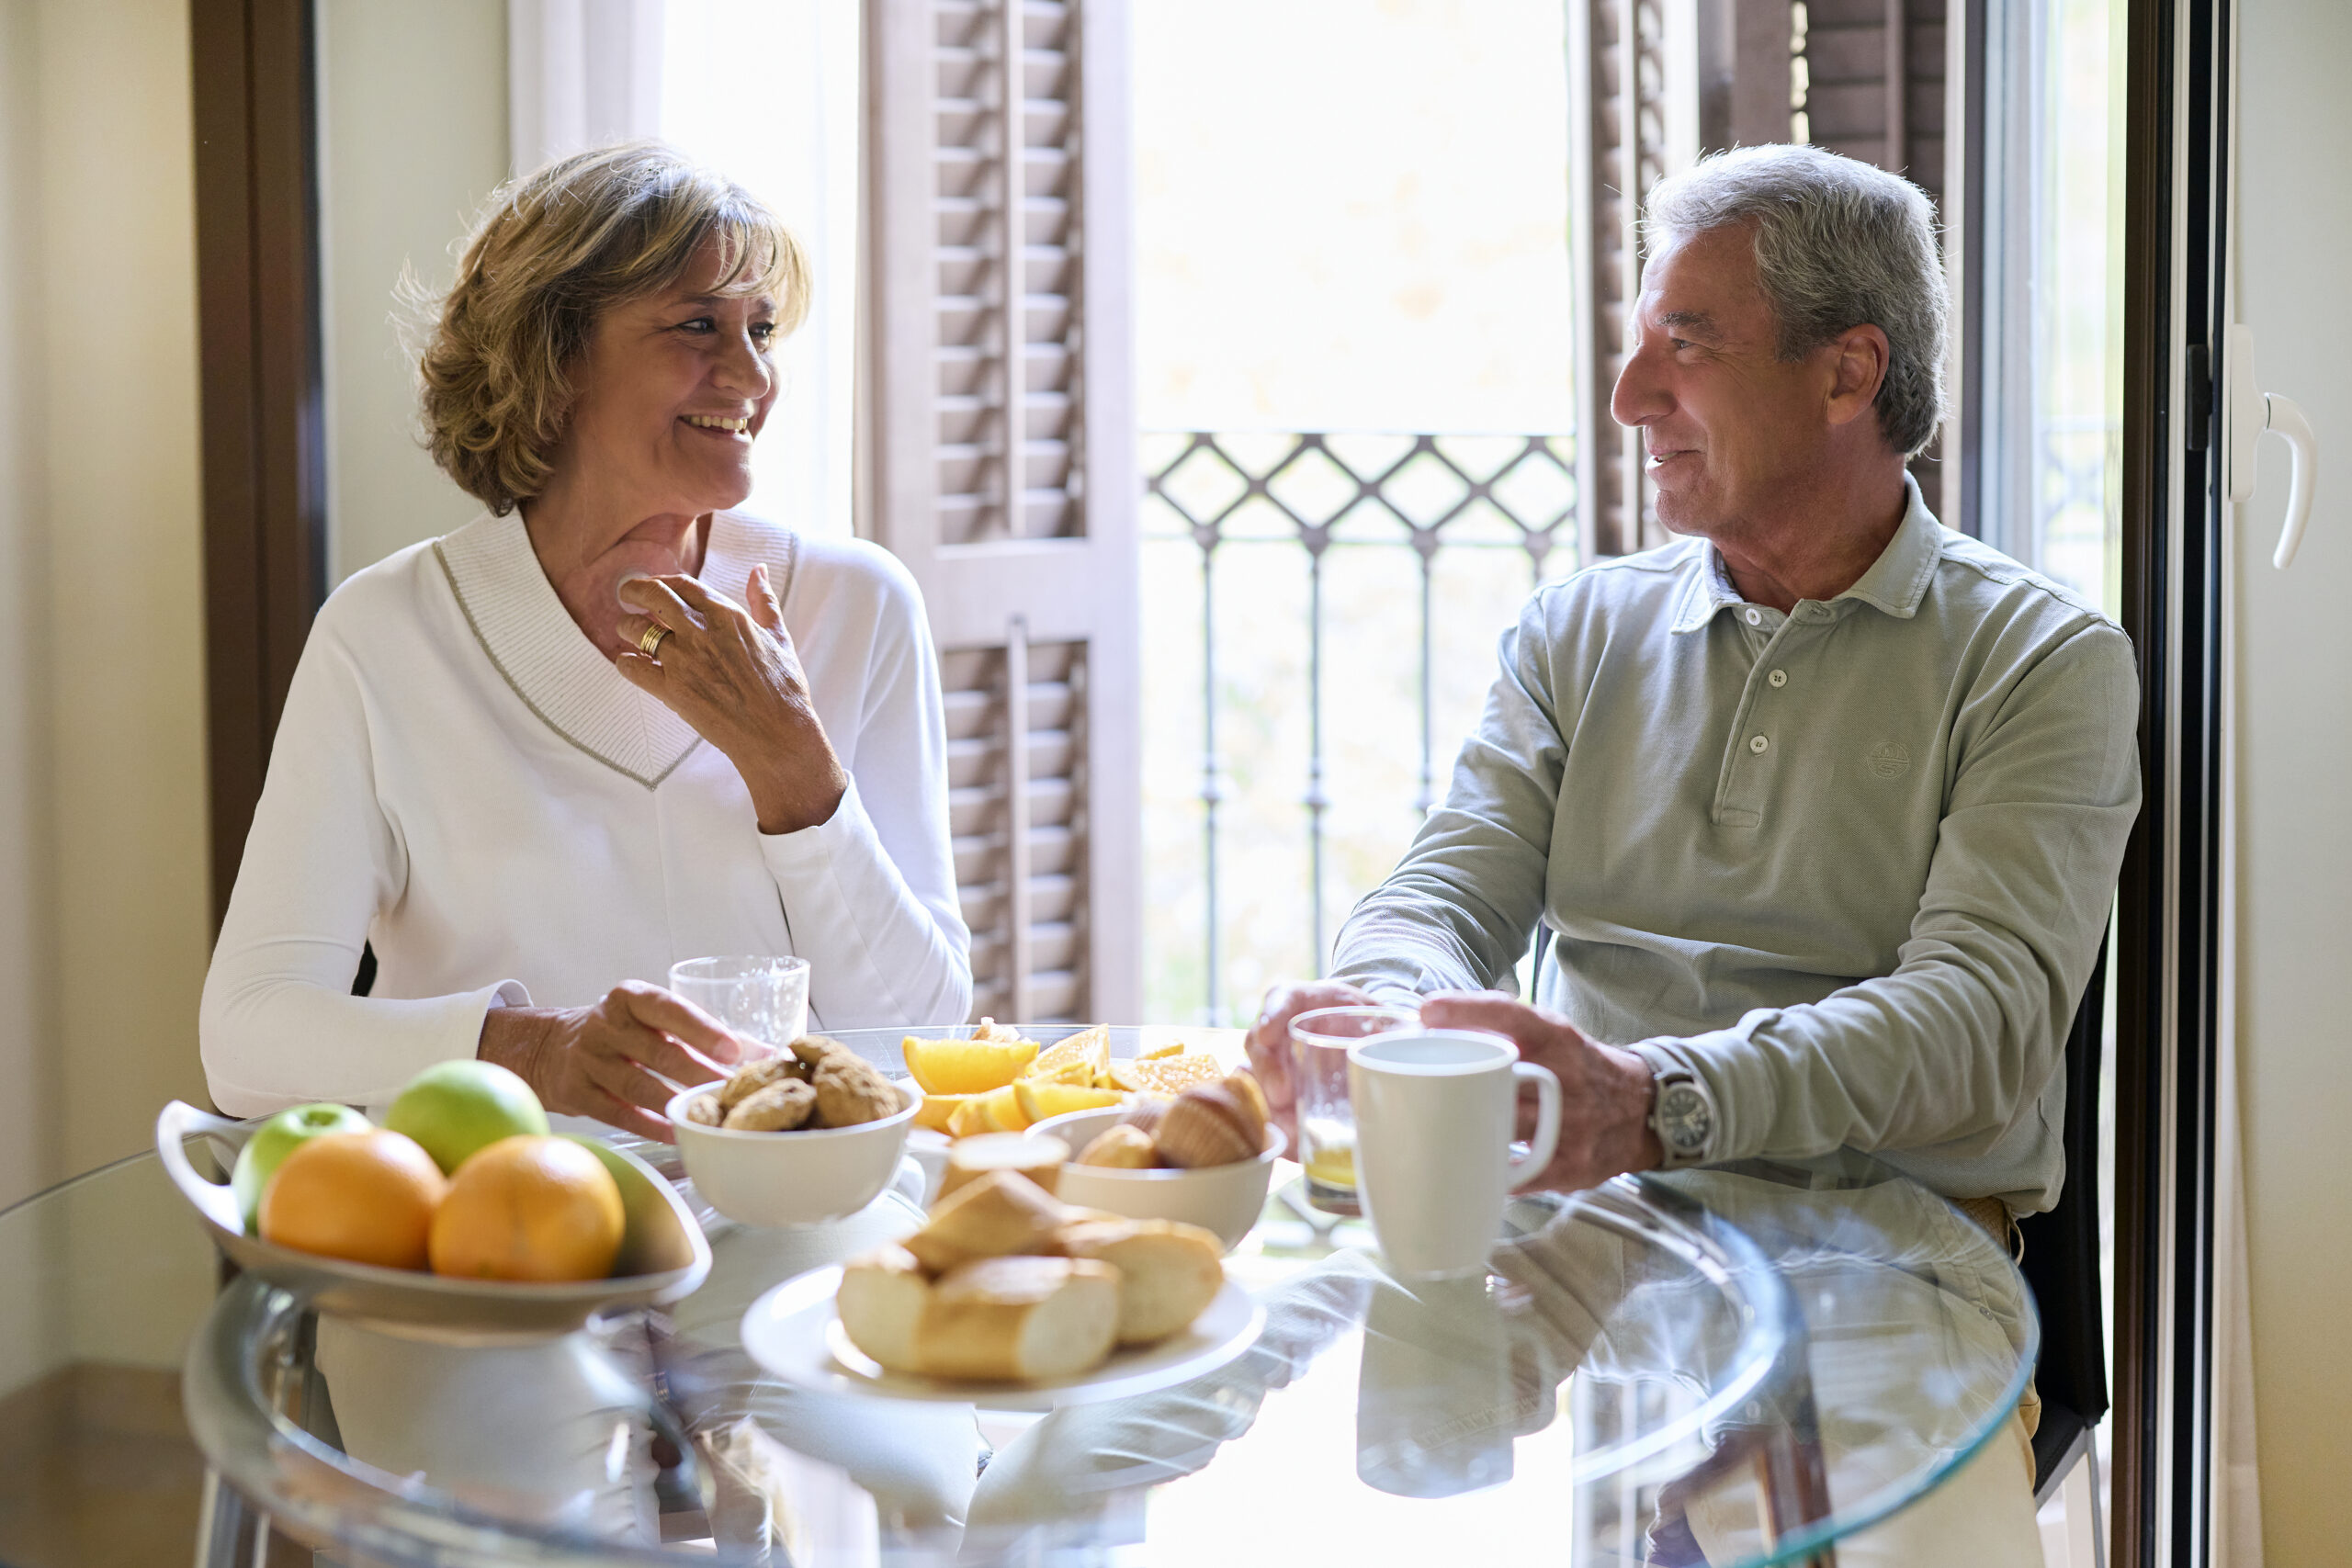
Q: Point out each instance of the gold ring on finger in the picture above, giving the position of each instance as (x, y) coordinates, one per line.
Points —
(650, 643)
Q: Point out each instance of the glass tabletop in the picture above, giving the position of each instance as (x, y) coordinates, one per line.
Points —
(1730, 1366)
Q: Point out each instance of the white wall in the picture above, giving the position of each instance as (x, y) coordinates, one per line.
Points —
(124, 653)
(27, 1063)
(2294, 775)
(104, 919)
(413, 132)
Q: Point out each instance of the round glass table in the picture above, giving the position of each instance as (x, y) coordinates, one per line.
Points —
(1742, 1365)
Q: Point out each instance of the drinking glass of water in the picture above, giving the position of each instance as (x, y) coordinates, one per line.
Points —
(1327, 1126)
(763, 999)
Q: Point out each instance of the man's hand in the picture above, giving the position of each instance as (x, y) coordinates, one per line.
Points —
(1605, 1093)
(1269, 1044)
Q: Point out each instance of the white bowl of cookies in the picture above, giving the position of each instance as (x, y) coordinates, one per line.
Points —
(798, 1138)
(1204, 1156)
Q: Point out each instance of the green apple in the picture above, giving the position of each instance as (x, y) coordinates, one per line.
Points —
(273, 1141)
(455, 1108)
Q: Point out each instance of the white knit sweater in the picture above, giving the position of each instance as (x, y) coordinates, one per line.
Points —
(463, 780)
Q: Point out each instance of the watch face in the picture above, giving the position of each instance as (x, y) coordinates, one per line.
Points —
(1683, 1121)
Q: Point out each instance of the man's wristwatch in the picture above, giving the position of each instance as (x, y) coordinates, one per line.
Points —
(1682, 1114)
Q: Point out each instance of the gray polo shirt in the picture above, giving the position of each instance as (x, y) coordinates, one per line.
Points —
(1849, 865)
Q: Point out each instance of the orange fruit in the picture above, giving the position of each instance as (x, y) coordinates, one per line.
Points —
(1002, 1109)
(970, 1117)
(1166, 1075)
(366, 1197)
(966, 1067)
(1083, 1058)
(1039, 1100)
(938, 1109)
(541, 1208)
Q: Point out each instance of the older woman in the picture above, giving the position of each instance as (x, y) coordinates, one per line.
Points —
(608, 725)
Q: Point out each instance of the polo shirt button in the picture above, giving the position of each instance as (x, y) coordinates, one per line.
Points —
(1754, 617)
(1757, 743)
(1779, 677)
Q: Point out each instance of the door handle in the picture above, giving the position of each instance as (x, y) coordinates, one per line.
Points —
(2246, 412)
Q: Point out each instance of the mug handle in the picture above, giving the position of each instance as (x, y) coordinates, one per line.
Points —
(1524, 1168)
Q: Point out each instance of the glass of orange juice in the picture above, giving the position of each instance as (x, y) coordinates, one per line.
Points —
(1327, 1127)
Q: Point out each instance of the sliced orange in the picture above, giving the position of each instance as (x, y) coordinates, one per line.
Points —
(1002, 1107)
(1166, 1075)
(1082, 1058)
(970, 1117)
(966, 1067)
(1039, 1100)
(938, 1109)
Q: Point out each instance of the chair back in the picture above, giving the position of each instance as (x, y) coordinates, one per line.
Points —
(2062, 1256)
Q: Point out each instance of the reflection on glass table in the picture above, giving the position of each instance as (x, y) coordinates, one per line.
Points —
(1738, 1366)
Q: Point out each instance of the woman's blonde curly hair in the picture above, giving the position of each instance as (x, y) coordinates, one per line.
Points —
(555, 252)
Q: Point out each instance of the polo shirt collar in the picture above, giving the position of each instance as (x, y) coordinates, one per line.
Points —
(1898, 580)
(1705, 591)
(1895, 583)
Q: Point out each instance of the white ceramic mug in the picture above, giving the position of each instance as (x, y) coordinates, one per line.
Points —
(1434, 1113)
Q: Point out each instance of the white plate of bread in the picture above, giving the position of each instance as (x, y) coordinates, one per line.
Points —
(1010, 1300)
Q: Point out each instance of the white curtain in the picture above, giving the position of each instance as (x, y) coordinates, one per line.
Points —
(580, 74)
(767, 93)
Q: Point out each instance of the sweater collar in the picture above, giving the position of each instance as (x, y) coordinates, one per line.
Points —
(550, 662)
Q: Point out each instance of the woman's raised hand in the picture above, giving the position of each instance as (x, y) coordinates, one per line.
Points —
(600, 1061)
(733, 674)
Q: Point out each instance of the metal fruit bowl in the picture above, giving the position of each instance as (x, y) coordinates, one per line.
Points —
(663, 1253)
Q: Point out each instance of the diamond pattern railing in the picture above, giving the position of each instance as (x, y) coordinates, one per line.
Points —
(1323, 489)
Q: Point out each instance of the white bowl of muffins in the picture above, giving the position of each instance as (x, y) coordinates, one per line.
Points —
(798, 1138)
(1205, 1158)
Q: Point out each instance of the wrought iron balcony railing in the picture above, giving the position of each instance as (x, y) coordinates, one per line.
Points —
(1422, 493)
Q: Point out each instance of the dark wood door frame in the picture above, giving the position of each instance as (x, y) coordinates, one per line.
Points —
(2175, 176)
(2140, 937)
(263, 439)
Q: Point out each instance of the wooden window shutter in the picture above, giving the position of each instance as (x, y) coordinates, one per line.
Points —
(1873, 74)
(1633, 118)
(998, 465)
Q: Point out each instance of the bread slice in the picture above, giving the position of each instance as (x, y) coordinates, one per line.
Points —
(1020, 1317)
(1169, 1272)
(881, 1302)
(990, 1216)
(1040, 1159)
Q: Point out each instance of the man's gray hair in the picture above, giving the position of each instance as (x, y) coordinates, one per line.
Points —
(1839, 244)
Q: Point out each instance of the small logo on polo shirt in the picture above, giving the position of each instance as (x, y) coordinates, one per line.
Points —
(1889, 758)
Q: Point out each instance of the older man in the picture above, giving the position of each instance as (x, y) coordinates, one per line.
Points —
(1823, 804)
